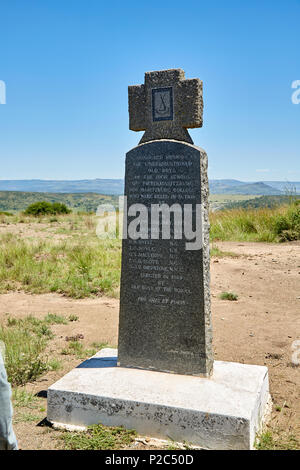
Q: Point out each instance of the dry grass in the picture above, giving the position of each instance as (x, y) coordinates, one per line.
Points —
(261, 225)
(79, 265)
(63, 254)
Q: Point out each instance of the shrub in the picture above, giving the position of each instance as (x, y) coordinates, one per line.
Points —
(294, 216)
(281, 224)
(287, 226)
(44, 208)
(60, 208)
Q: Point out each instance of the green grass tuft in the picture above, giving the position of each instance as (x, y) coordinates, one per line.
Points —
(73, 317)
(77, 349)
(228, 296)
(54, 319)
(54, 364)
(217, 253)
(275, 440)
(22, 398)
(26, 418)
(98, 437)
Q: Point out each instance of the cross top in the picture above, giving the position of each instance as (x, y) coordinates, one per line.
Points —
(165, 106)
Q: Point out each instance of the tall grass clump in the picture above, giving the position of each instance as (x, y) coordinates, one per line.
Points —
(287, 225)
(71, 267)
(25, 342)
(264, 225)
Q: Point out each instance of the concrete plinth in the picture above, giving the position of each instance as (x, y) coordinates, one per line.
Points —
(222, 412)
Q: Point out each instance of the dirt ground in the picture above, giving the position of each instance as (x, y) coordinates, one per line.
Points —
(259, 328)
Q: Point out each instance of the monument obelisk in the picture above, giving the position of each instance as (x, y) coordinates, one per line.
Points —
(165, 319)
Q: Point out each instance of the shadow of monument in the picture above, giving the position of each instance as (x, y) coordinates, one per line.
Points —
(98, 363)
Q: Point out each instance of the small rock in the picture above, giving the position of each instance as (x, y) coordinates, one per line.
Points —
(74, 338)
(142, 441)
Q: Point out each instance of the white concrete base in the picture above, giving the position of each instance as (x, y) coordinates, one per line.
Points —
(223, 412)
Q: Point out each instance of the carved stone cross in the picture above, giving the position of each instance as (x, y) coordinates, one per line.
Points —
(165, 106)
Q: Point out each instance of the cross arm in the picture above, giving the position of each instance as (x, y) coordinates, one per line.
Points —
(191, 103)
(137, 107)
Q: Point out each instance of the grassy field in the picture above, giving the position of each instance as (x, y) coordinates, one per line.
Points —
(63, 253)
(16, 201)
(58, 254)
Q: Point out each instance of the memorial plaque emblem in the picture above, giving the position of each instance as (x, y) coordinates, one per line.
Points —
(162, 104)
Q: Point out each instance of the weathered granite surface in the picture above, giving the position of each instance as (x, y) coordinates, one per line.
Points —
(166, 105)
(223, 412)
(165, 318)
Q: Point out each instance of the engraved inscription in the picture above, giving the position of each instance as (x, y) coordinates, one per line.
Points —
(162, 302)
(162, 104)
(158, 268)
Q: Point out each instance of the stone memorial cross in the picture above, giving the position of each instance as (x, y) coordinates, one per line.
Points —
(165, 320)
(165, 333)
(165, 106)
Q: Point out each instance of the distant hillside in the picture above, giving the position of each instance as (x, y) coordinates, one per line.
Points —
(16, 201)
(116, 186)
(228, 186)
(100, 186)
(221, 186)
(261, 202)
(253, 188)
(238, 187)
(285, 186)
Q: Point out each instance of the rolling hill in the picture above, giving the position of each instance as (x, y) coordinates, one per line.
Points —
(116, 186)
(238, 187)
(16, 201)
(260, 202)
(100, 186)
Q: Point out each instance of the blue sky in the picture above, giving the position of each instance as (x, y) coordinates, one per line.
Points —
(67, 65)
